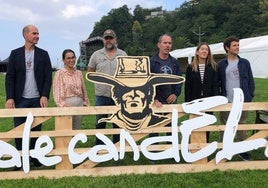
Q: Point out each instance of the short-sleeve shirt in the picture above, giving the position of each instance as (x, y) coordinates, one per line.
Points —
(101, 62)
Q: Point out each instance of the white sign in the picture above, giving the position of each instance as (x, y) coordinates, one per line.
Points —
(194, 107)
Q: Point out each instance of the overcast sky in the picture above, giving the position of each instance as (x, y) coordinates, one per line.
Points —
(62, 23)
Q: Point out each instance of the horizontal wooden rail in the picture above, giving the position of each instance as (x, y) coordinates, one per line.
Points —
(93, 110)
(63, 134)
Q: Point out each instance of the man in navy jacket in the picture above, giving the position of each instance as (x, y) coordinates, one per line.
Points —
(162, 62)
(235, 72)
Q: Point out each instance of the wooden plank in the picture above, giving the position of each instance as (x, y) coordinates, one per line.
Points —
(259, 134)
(93, 110)
(250, 106)
(138, 169)
(198, 137)
(63, 123)
(17, 131)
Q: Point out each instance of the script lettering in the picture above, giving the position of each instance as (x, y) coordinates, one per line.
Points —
(25, 143)
(9, 150)
(195, 107)
(95, 153)
(74, 157)
(40, 152)
(229, 147)
(125, 136)
(172, 152)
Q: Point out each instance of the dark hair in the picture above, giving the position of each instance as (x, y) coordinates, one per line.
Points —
(67, 51)
(227, 42)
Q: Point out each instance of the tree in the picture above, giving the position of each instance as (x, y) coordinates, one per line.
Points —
(181, 42)
(242, 19)
(262, 18)
(140, 13)
(137, 46)
(138, 34)
(120, 20)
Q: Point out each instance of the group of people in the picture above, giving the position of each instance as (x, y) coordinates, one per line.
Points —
(29, 78)
(205, 78)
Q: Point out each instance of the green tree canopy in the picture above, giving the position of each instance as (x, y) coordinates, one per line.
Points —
(217, 19)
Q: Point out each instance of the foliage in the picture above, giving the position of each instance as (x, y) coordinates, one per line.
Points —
(217, 19)
(121, 21)
(137, 43)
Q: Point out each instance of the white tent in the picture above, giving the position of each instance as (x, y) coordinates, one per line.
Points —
(254, 49)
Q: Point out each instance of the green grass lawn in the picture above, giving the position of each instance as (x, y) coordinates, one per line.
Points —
(246, 178)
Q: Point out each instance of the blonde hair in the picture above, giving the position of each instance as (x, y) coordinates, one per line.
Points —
(209, 61)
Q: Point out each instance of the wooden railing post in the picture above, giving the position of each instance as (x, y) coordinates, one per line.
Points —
(63, 123)
(198, 138)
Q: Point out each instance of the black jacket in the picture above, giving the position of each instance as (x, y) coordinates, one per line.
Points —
(16, 73)
(194, 89)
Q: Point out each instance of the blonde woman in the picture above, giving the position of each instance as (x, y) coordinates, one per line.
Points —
(201, 76)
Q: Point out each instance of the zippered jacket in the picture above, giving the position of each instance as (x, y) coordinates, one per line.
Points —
(163, 91)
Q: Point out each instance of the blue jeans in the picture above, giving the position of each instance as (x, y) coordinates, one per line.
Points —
(26, 103)
(104, 101)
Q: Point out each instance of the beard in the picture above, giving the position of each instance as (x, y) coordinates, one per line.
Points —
(110, 46)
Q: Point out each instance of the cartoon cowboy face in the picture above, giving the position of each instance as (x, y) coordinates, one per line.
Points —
(133, 101)
(133, 89)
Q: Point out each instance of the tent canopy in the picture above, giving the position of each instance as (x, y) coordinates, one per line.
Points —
(255, 49)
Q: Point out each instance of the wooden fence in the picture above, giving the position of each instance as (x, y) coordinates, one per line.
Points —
(62, 135)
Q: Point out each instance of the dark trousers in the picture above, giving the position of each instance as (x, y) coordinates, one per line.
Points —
(26, 103)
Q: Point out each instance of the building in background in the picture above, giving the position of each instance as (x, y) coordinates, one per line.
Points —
(87, 47)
